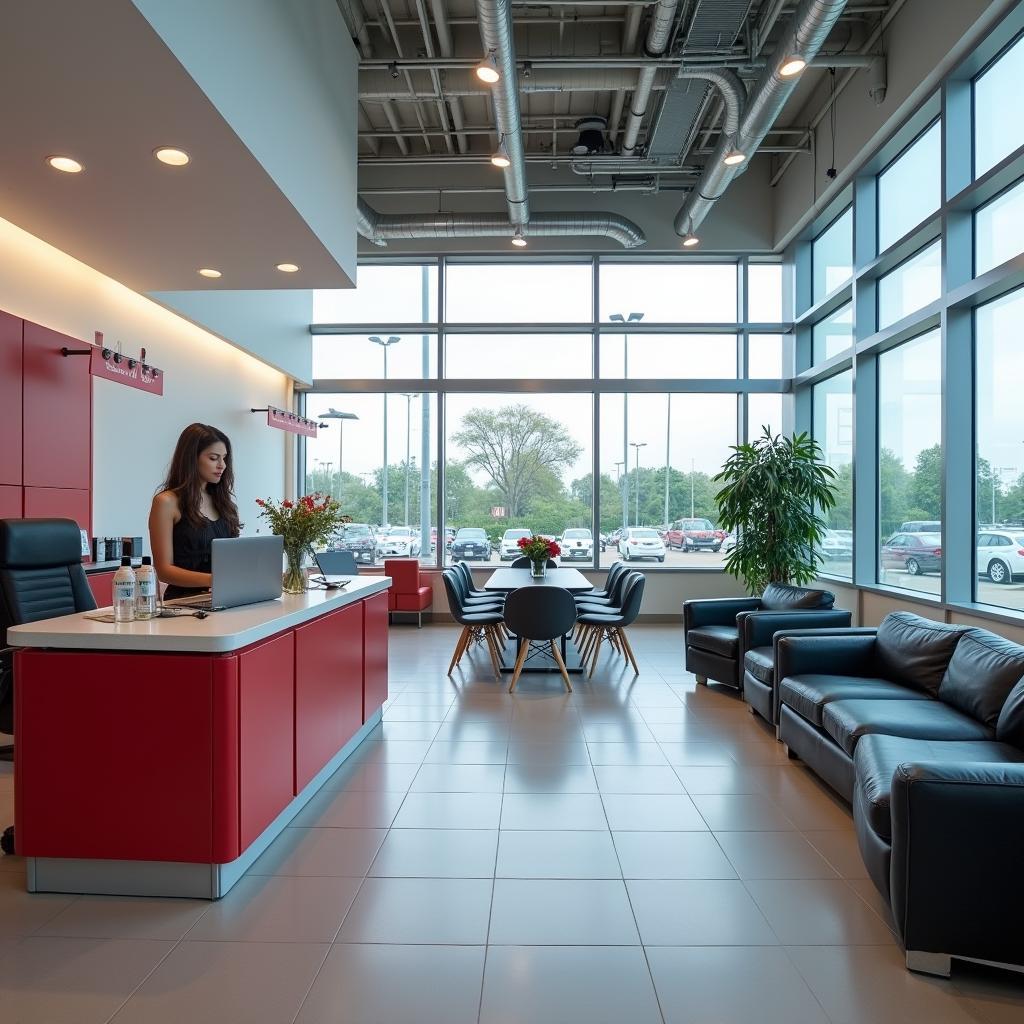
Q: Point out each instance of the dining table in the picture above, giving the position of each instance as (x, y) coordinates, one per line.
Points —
(507, 579)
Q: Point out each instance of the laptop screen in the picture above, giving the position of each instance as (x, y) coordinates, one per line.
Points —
(336, 563)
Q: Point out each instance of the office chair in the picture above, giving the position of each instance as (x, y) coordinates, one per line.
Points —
(41, 577)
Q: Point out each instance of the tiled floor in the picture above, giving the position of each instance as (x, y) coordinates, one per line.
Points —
(638, 851)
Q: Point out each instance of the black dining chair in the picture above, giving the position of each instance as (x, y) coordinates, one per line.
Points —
(536, 615)
(479, 624)
(612, 625)
(522, 562)
(605, 602)
(472, 595)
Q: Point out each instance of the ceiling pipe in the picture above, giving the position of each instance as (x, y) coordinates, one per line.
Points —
(444, 41)
(630, 33)
(657, 40)
(495, 18)
(805, 36)
(379, 228)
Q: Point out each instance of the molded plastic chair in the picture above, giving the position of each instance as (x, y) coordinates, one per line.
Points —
(479, 624)
(611, 625)
(522, 562)
(605, 594)
(536, 614)
(607, 602)
(472, 595)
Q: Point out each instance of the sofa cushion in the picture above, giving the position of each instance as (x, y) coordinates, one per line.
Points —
(878, 757)
(914, 651)
(760, 663)
(778, 597)
(847, 720)
(723, 640)
(416, 602)
(1010, 727)
(808, 695)
(980, 675)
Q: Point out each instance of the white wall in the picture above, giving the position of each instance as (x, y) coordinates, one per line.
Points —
(206, 379)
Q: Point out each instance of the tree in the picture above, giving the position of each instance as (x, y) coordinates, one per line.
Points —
(925, 490)
(514, 446)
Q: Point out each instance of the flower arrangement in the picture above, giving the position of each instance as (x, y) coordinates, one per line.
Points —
(304, 524)
(539, 549)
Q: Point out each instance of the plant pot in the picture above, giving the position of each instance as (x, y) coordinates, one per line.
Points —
(538, 570)
(294, 580)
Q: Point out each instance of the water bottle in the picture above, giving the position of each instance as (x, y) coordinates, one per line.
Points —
(124, 592)
(145, 592)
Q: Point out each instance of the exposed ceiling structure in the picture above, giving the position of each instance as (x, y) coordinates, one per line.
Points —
(647, 96)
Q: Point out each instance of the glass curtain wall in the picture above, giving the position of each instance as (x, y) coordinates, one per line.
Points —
(537, 409)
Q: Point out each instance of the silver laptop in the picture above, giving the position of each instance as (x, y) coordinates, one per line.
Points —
(245, 570)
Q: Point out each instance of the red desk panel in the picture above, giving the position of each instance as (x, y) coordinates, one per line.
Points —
(328, 688)
(102, 586)
(10, 398)
(375, 669)
(10, 502)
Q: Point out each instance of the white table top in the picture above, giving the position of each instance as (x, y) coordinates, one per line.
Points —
(513, 579)
(218, 633)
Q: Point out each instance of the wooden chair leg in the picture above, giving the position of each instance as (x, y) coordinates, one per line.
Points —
(588, 641)
(460, 646)
(599, 634)
(519, 664)
(627, 648)
(492, 647)
(557, 654)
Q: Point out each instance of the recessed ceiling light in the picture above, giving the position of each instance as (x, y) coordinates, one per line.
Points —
(65, 164)
(209, 272)
(734, 157)
(174, 157)
(792, 66)
(288, 268)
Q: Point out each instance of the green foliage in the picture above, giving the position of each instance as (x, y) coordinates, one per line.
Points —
(771, 492)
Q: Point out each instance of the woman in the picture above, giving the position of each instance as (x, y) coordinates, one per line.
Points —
(195, 506)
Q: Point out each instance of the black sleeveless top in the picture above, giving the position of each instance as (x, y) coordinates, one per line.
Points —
(191, 546)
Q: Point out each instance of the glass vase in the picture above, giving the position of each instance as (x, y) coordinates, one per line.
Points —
(294, 580)
(539, 569)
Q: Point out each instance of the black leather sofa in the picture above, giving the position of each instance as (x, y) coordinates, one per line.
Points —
(718, 632)
(920, 725)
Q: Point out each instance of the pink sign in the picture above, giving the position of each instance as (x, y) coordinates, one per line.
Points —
(115, 366)
(290, 421)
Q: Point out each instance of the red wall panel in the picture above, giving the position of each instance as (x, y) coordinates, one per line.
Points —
(328, 688)
(265, 734)
(102, 586)
(375, 668)
(10, 502)
(59, 503)
(57, 414)
(10, 398)
(124, 771)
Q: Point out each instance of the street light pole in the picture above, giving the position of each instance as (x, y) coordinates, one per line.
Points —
(334, 414)
(408, 405)
(691, 487)
(668, 451)
(637, 445)
(631, 318)
(385, 344)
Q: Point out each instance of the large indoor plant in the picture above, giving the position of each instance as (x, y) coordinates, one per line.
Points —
(304, 524)
(772, 492)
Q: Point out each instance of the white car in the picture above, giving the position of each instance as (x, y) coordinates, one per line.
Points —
(577, 544)
(639, 542)
(509, 548)
(402, 541)
(1000, 554)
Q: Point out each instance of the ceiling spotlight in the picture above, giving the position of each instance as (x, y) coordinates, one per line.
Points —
(518, 240)
(734, 157)
(173, 157)
(792, 66)
(500, 157)
(288, 268)
(690, 240)
(487, 70)
(209, 272)
(393, 68)
(65, 164)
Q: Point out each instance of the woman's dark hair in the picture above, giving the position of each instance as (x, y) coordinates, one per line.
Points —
(184, 480)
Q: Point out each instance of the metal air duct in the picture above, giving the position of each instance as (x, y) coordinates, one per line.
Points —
(811, 23)
(657, 40)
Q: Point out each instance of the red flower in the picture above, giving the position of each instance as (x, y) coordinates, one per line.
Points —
(261, 503)
(523, 541)
(553, 549)
(287, 504)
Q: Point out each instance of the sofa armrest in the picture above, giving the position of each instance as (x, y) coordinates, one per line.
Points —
(845, 652)
(718, 611)
(758, 628)
(955, 883)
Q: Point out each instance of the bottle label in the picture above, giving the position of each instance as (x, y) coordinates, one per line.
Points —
(147, 586)
(124, 590)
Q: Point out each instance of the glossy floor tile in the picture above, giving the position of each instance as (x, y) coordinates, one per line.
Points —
(638, 852)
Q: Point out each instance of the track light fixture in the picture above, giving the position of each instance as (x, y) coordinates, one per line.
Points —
(690, 240)
(734, 157)
(393, 68)
(487, 70)
(500, 157)
(518, 239)
(792, 65)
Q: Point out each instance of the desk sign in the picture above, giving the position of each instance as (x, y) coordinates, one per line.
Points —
(136, 373)
(290, 421)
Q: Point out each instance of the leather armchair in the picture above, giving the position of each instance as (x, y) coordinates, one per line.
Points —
(957, 833)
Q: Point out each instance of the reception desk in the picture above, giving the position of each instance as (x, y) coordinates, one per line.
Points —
(162, 757)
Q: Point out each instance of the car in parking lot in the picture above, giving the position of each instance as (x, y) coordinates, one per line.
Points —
(916, 552)
(400, 541)
(471, 542)
(1000, 554)
(694, 535)
(360, 539)
(577, 544)
(837, 545)
(508, 549)
(921, 526)
(641, 542)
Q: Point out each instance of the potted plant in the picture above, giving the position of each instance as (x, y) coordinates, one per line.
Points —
(538, 550)
(772, 491)
(303, 524)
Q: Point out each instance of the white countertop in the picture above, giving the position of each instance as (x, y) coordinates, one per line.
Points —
(218, 633)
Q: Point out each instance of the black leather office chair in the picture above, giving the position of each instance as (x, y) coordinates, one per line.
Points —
(41, 576)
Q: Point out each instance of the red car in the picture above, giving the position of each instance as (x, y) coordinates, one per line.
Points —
(694, 535)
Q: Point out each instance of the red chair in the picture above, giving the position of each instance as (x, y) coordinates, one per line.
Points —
(406, 593)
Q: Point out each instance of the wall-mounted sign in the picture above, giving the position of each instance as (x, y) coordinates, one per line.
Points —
(111, 364)
(290, 421)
